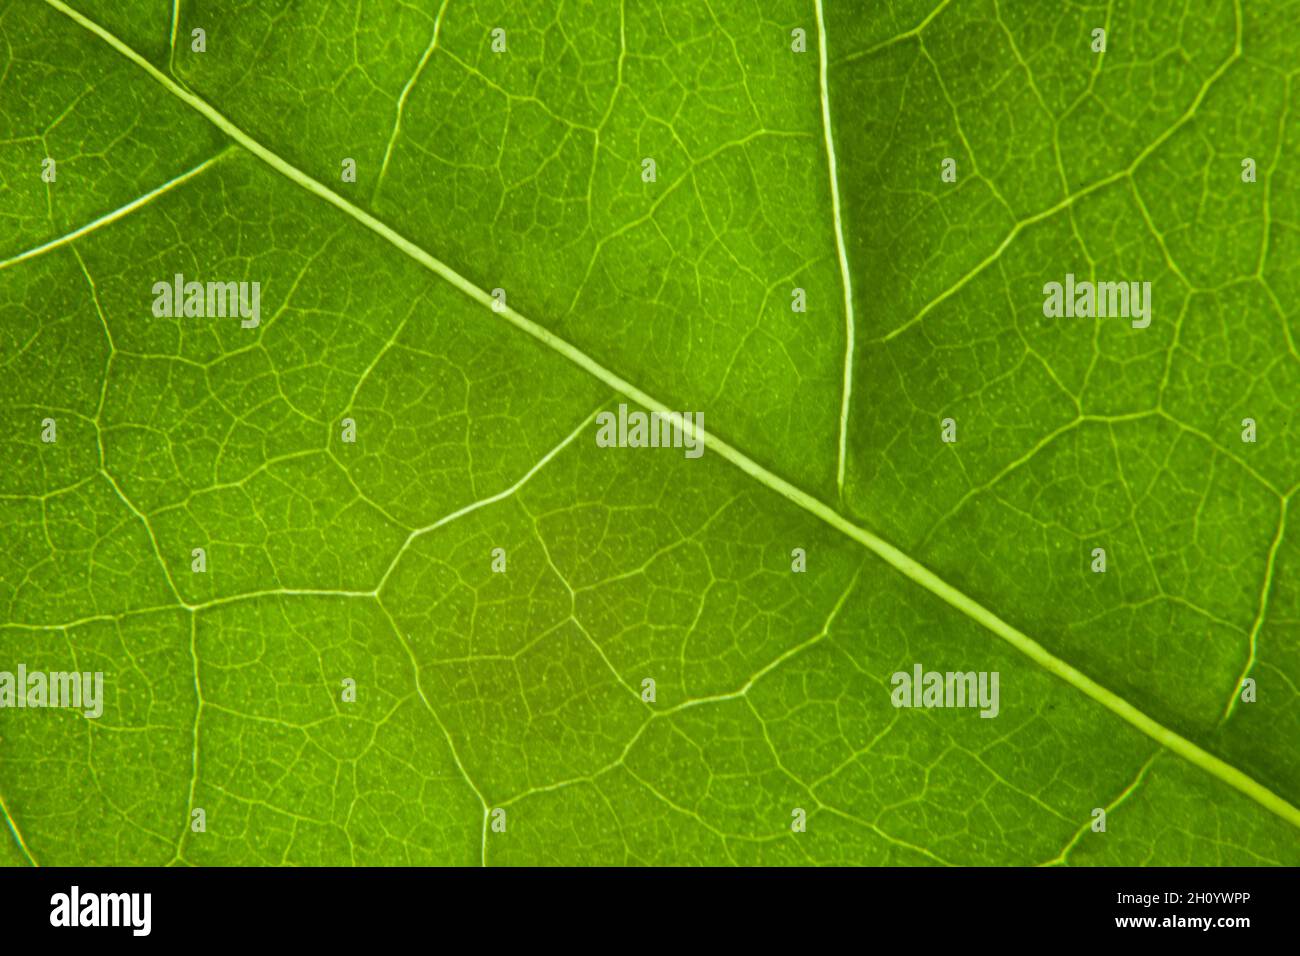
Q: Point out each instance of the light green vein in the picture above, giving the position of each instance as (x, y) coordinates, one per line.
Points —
(483, 502)
(901, 562)
(194, 737)
(1063, 857)
(846, 392)
(176, 24)
(17, 834)
(905, 35)
(1261, 614)
(1123, 174)
(406, 91)
(116, 214)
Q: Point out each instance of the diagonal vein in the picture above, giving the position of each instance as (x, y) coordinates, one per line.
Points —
(17, 834)
(483, 502)
(116, 214)
(903, 563)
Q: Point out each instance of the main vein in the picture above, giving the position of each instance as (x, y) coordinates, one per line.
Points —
(901, 562)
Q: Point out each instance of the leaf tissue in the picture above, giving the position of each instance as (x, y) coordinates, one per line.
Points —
(797, 432)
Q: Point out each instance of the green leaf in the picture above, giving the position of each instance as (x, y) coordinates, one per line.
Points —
(488, 696)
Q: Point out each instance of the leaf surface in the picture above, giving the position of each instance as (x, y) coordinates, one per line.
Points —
(522, 691)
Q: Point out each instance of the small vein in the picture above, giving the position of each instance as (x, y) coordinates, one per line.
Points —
(1074, 197)
(847, 282)
(451, 743)
(1063, 856)
(17, 834)
(116, 214)
(483, 502)
(1261, 614)
(406, 91)
(906, 34)
(194, 742)
(176, 24)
